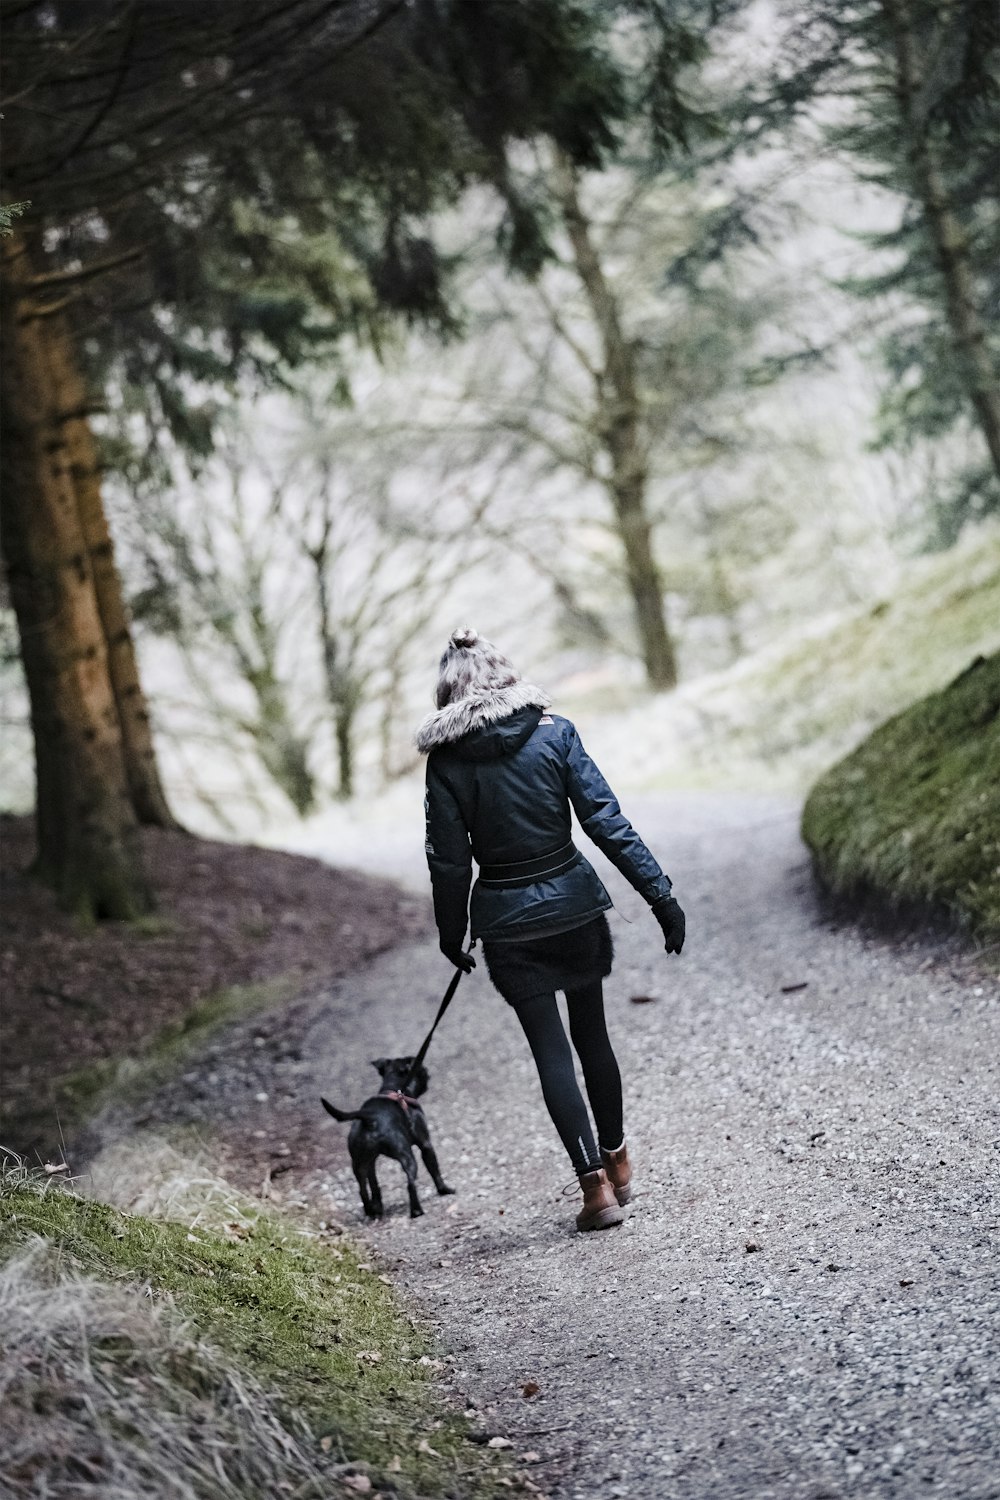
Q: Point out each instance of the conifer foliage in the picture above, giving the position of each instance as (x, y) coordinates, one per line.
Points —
(915, 87)
(217, 193)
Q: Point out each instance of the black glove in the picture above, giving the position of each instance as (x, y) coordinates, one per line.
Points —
(457, 955)
(667, 912)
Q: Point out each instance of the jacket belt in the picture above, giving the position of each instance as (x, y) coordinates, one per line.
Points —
(525, 871)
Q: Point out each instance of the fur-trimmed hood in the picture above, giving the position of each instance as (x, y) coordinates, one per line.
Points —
(477, 710)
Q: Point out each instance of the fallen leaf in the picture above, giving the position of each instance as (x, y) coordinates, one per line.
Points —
(906, 1283)
(424, 1447)
(57, 1166)
(530, 1388)
(359, 1482)
(531, 1457)
(394, 1466)
(499, 1442)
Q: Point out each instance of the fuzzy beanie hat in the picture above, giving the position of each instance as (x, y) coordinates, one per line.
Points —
(477, 685)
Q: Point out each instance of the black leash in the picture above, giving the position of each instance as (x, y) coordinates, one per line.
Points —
(449, 996)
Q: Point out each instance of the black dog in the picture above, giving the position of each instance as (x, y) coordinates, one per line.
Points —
(391, 1123)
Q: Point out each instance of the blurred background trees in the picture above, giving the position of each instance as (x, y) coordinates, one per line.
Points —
(909, 92)
(641, 333)
(216, 195)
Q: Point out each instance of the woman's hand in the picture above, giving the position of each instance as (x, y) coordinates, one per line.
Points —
(671, 919)
(457, 955)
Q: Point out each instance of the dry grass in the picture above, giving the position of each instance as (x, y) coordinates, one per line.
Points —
(191, 1343)
(103, 1389)
(149, 1175)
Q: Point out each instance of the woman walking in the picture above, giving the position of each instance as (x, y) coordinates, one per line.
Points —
(502, 775)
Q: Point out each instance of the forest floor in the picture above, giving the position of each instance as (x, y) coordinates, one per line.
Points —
(235, 928)
(802, 1302)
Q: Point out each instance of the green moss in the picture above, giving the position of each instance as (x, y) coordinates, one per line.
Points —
(303, 1317)
(153, 925)
(912, 816)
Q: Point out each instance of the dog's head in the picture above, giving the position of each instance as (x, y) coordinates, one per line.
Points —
(399, 1073)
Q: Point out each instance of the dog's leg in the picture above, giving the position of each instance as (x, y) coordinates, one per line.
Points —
(363, 1172)
(359, 1161)
(431, 1163)
(376, 1193)
(409, 1165)
(422, 1136)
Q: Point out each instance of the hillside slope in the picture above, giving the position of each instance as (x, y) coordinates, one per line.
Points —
(776, 719)
(912, 816)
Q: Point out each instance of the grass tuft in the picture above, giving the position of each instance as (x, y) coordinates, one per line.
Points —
(104, 1391)
(229, 1353)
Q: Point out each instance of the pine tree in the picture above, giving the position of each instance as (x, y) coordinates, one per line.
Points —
(917, 85)
(217, 193)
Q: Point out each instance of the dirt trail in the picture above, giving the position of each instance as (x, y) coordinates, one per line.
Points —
(803, 1303)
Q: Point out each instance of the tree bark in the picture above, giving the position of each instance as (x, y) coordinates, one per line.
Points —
(87, 829)
(344, 735)
(946, 234)
(621, 419)
(141, 769)
(343, 692)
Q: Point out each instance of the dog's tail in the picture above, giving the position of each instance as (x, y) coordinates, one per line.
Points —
(346, 1114)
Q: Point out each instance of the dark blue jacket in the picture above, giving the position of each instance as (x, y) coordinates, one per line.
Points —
(501, 795)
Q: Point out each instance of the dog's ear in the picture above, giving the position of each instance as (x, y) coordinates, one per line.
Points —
(381, 1063)
(328, 1107)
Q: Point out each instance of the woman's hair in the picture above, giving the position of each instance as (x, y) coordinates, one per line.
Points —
(471, 665)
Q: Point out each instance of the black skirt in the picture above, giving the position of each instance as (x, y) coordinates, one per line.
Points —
(561, 961)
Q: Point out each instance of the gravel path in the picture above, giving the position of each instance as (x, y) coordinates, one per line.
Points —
(803, 1301)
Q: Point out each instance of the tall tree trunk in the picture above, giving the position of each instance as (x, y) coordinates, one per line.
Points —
(344, 735)
(141, 768)
(343, 692)
(87, 828)
(946, 233)
(621, 417)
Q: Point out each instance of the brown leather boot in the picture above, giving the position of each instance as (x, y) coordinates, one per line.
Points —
(599, 1211)
(619, 1170)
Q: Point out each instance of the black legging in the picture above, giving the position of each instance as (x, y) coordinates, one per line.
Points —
(550, 1048)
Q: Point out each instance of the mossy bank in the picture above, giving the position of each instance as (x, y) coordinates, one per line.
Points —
(911, 819)
(303, 1321)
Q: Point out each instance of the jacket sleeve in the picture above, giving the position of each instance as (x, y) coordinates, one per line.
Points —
(449, 857)
(596, 806)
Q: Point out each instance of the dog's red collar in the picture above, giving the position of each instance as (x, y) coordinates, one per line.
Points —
(405, 1100)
